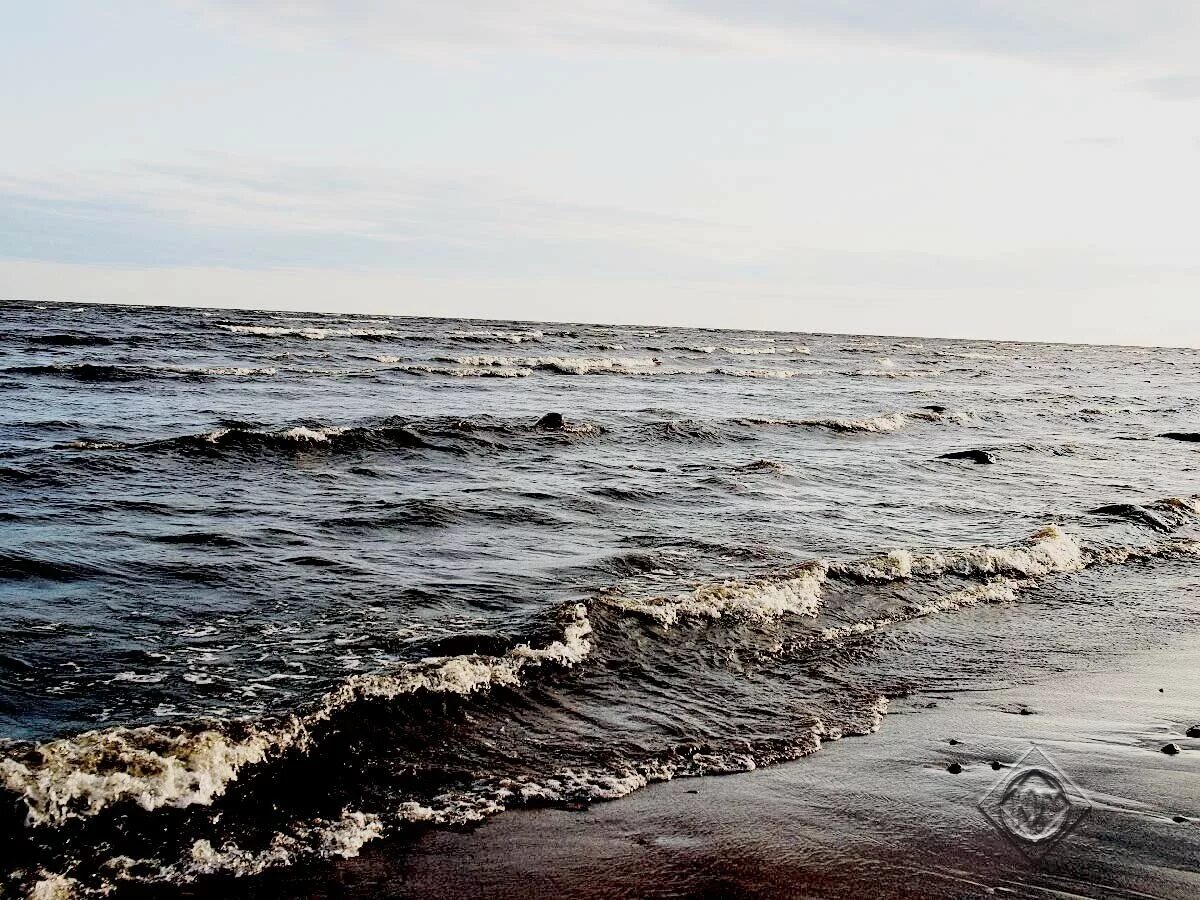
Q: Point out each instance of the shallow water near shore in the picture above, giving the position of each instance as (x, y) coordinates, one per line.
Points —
(273, 586)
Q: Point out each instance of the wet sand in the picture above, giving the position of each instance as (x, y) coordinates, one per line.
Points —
(879, 816)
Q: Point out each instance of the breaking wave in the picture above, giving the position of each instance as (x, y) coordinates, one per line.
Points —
(311, 334)
(179, 766)
(101, 373)
(193, 766)
(881, 424)
(566, 365)
(508, 336)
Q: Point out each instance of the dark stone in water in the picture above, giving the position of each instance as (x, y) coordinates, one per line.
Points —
(953, 742)
(14, 663)
(551, 421)
(1169, 749)
(996, 765)
(1192, 436)
(1134, 512)
(1194, 731)
(979, 457)
(954, 768)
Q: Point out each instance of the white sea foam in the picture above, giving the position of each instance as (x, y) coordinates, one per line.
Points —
(512, 337)
(151, 767)
(312, 334)
(763, 598)
(881, 424)
(568, 365)
(1049, 550)
(875, 425)
(53, 887)
(466, 372)
(156, 767)
(762, 373)
(342, 838)
(238, 371)
(303, 434)
(891, 373)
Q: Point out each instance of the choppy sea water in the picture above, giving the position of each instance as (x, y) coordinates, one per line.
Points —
(274, 585)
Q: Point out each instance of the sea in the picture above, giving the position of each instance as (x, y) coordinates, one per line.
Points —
(276, 585)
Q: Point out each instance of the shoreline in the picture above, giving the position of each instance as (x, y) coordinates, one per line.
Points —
(876, 816)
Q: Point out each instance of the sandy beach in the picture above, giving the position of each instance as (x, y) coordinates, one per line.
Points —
(879, 816)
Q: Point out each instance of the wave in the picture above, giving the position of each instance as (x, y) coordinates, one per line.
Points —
(24, 476)
(505, 336)
(588, 786)
(192, 766)
(744, 351)
(566, 365)
(391, 434)
(311, 334)
(892, 373)
(875, 425)
(179, 766)
(299, 437)
(70, 340)
(1065, 449)
(972, 354)
(799, 594)
(881, 424)
(770, 466)
(15, 566)
(89, 372)
(762, 373)
(86, 372)
(295, 439)
(1050, 550)
(1000, 590)
(462, 372)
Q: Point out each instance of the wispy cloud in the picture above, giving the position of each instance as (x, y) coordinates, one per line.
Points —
(1062, 31)
(1129, 37)
(423, 28)
(251, 213)
(255, 215)
(1174, 87)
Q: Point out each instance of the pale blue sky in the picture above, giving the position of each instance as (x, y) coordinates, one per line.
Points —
(990, 168)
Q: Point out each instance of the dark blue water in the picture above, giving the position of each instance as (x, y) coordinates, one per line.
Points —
(272, 585)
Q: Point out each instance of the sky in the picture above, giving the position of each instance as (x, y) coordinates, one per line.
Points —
(1012, 169)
